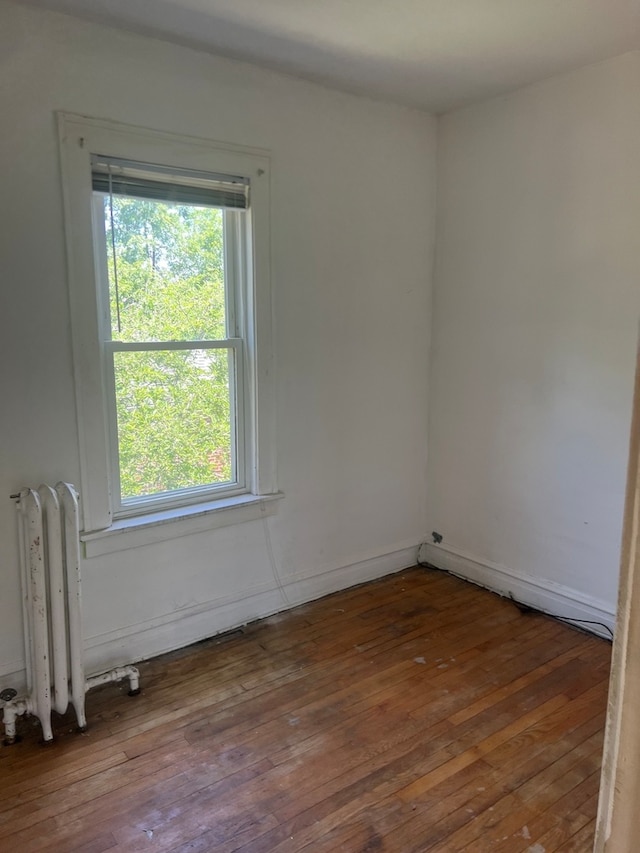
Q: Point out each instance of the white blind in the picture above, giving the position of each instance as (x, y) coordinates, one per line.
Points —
(112, 175)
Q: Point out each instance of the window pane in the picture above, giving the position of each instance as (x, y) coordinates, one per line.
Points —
(174, 413)
(166, 270)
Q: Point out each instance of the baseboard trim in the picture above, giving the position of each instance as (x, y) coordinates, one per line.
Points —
(13, 674)
(539, 593)
(180, 628)
(190, 625)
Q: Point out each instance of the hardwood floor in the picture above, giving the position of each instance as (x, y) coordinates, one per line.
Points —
(416, 713)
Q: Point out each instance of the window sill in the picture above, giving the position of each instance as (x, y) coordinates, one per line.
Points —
(172, 523)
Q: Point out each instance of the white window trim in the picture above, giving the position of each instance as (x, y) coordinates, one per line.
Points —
(80, 137)
(188, 520)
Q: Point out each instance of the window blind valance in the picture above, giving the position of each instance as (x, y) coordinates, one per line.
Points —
(114, 176)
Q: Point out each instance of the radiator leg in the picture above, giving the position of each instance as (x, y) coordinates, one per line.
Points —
(47, 730)
(81, 717)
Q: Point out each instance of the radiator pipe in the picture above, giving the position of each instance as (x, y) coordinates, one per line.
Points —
(10, 712)
(117, 674)
(15, 708)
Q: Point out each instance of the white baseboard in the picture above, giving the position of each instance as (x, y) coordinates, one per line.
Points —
(539, 593)
(190, 625)
(13, 674)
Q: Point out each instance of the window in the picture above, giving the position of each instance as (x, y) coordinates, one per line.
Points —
(168, 264)
(169, 278)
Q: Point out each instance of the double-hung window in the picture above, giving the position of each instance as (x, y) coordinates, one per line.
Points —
(170, 251)
(168, 263)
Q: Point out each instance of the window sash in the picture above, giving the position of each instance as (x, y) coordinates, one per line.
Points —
(127, 507)
(148, 346)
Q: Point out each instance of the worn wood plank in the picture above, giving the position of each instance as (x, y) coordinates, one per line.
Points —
(414, 713)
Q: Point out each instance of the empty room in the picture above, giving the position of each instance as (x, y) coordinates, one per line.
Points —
(319, 332)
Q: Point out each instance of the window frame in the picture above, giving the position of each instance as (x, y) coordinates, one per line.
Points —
(79, 138)
(235, 239)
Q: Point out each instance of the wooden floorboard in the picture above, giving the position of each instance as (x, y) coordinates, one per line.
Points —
(416, 713)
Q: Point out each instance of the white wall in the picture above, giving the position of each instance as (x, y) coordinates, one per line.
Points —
(352, 219)
(536, 308)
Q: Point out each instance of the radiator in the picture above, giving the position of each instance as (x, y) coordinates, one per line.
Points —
(52, 598)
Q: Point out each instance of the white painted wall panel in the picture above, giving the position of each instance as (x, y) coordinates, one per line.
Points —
(352, 218)
(536, 310)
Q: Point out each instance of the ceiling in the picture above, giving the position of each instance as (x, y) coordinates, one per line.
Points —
(430, 54)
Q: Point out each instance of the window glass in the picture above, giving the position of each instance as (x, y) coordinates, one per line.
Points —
(174, 417)
(166, 270)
